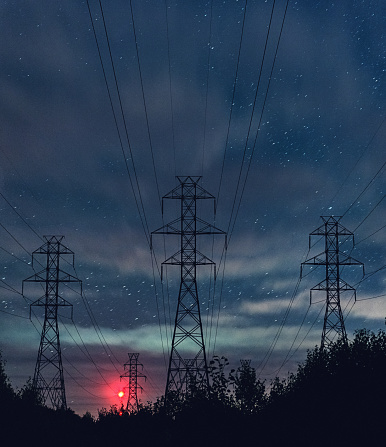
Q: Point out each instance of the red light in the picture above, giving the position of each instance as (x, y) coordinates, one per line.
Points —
(121, 394)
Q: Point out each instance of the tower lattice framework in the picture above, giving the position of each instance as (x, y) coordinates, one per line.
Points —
(48, 380)
(132, 373)
(333, 259)
(183, 372)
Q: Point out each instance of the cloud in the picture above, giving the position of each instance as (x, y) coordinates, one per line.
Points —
(370, 309)
(274, 306)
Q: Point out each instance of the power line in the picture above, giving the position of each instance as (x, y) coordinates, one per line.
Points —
(144, 103)
(13, 314)
(170, 87)
(267, 356)
(296, 336)
(142, 214)
(359, 159)
(259, 124)
(21, 217)
(232, 101)
(368, 215)
(251, 118)
(304, 338)
(158, 312)
(372, 297)
(372, 234)
(80, 385)
(365, 189)
(150, 143)
(207, 85)
(9, 288)
(219, 305)
(14, 256)
(14, 238)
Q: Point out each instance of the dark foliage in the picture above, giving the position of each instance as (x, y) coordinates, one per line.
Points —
(336, 397)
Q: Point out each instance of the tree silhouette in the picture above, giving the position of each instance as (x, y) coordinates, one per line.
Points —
(249, 391)
(6, 392)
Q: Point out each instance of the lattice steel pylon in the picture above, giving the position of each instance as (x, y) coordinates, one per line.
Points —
(48, 380)
(185, 374)
(332, 258)
(131, 371)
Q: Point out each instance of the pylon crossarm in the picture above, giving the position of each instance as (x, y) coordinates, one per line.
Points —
(336, 257)
(42, 277)
(170, 228)
(194, 190)
(348, 260)
(174, 227)
(316, 260)
(174, 259)
(42, 301)
(206, 226)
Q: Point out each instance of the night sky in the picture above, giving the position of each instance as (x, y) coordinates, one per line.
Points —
(82, 159)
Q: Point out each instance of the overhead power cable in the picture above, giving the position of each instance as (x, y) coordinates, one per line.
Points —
(267, 356)
(144, 104)
(170, 87)
(372, 234)
(207, 85)
(14, 256)
(365, 189)
(80, 385)
(359, 159)
(372, 297)
(259, 125)
(14, 238)
(9, 287)
(151, 149)
(233, 100)
(138, 201)
(253, 150)
(20, 216)
(13, 314)
(287, 359)
(250, 123)
(89, 357)
(369, 214)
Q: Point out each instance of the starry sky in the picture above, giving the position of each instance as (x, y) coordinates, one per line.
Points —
(282, 113)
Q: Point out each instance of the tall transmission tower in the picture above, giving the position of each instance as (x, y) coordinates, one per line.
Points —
(333, 259)
(48, 380)
(131, 371)
(183, 372)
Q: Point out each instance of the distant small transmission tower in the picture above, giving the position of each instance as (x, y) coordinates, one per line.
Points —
(131, 371)
(188, 335)
(48, 378)
(332, 258)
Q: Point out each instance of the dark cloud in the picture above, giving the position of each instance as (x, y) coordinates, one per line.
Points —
(63, 168)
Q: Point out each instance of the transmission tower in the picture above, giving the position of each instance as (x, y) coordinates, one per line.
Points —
(48, 380)
(332, 258)
(187, 373)
(131, 371)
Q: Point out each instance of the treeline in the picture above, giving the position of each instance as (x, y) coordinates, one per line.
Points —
(337, 396)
